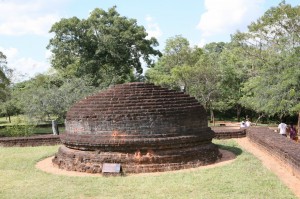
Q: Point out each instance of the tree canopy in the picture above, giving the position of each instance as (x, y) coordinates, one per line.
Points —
(273, 41)
(50, 95)
(105, 46)
(4, 80)
(258, 70)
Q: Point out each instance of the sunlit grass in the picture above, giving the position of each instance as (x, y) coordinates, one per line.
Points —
(243, 178)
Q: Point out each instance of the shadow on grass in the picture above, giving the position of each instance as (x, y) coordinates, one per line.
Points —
(233, 149)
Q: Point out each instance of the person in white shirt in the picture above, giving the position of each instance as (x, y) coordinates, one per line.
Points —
(243, 125)
(282, 129)
(248, 123)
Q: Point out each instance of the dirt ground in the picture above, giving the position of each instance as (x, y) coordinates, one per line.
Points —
(271, 163)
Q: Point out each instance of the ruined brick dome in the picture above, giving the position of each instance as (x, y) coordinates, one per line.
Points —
(141, 126)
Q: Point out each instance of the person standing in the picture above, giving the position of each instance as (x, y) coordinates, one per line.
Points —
(293, 132)
(282, 129)
(243, 124)
(248, 123)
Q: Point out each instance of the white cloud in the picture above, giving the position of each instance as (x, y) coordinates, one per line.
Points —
(227, 16)
(10, 53)
(27, 17)
(202, 43)
(153, 28)
(30, 67)
(48, 54)
(24, 67)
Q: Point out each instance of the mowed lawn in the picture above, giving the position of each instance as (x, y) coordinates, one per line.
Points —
(244, 178)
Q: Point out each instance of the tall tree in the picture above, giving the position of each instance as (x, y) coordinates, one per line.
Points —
(6, 107)
(105, 46)
(274, 42)
(4, 80)
(194, 70)
(50, 95)
(235, 70)
(176, 54)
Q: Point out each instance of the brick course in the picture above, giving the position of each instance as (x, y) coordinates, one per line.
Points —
(37, 140)
(227, 133)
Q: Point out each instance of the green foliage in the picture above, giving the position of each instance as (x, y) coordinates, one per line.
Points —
(4, 79)
(51, 95)
(273, 42)
(105, 46)
(19, 128)
(172, 68)
(194, 70)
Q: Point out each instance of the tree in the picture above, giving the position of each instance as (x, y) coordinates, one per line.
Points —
(274, 42)
(50, 95)
(6, 107)
(105, 46)
(204, 80)
(4, 80)
(176, 54)
(235, 70)
(194, 70)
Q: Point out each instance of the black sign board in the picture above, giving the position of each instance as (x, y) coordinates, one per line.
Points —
(111, 168)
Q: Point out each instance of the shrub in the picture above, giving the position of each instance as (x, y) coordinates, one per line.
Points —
(19, 128)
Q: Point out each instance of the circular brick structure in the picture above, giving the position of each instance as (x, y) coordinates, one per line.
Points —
(142, 127)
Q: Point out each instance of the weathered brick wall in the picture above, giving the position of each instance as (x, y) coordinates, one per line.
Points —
(140, 161)
(227, 133)
(282, 148)
(39, 140)
(137, 109)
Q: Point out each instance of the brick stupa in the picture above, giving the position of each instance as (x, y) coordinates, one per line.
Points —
(142, 127)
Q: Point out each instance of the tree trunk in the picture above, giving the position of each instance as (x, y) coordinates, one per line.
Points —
(238, 112)
(259, 117)
(55, 128)
(212, 116)
(9, 119)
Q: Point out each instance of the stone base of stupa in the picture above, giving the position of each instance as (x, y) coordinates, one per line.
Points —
(138, 161)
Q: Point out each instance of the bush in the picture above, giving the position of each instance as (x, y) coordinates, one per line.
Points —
(18, 129)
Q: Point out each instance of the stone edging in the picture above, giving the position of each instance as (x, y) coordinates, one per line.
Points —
(38, 140)
(49, 139)
(228, 133)
(282, 148)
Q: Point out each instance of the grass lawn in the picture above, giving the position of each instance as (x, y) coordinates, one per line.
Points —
(244, 178)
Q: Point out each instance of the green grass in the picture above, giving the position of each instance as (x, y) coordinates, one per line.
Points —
(244, 178)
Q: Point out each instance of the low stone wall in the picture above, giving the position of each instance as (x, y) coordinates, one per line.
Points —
(228, 132)
(280, 147)
(48, 140)
(38, 140)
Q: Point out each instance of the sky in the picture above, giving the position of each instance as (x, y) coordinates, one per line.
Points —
(25, 24)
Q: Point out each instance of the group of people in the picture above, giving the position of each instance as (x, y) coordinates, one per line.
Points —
(286, 130)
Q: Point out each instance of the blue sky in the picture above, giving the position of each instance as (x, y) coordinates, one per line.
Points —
(24, 24)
